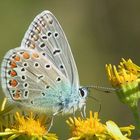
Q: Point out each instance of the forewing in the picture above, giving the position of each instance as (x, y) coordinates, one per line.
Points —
(46, 36)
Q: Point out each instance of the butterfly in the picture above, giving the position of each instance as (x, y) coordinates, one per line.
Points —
(41, 74)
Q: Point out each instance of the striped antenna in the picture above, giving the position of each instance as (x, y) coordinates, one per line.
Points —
(103, 89)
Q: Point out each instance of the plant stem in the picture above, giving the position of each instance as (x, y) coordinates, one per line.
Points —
(136, 118)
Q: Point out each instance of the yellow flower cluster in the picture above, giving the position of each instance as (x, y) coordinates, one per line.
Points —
(125, 79)
(127, 72)
(29, 125)
(92, 129)
(82, 129)
(86, 128)
(27, 128)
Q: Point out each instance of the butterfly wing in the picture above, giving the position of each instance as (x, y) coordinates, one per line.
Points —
(42, 73)
(33, 80)
(46, 36)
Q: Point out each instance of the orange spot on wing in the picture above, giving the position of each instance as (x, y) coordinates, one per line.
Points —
(17, 58)
(32, 46)
(26, 55)
(35, 55)
(13, 83)
(13, 64)
(13, 73)
(17, 95)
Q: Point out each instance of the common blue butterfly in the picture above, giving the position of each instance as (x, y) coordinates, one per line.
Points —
(41, 74)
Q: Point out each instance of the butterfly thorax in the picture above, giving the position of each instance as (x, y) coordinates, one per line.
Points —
(73, 103)
(65, 102)
(74, 100)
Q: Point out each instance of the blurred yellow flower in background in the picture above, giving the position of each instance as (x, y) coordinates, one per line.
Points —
(92, 129)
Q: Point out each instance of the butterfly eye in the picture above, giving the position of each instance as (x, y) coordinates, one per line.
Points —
(83, 92)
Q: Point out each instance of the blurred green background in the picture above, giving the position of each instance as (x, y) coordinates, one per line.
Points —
(99, 32)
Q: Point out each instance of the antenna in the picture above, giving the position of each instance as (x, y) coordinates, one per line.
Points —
(103, 89)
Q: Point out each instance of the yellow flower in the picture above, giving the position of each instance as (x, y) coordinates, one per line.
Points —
(86, 128)
(28, 128)
(130, 66)
(126, 80)
(92, 129)
(120, 77)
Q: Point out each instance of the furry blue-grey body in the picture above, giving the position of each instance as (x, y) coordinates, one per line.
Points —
(66, 101)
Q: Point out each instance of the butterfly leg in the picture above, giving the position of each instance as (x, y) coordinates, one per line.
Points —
(51, 124)
(83, 111)
(52, 119)
(73, 110)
